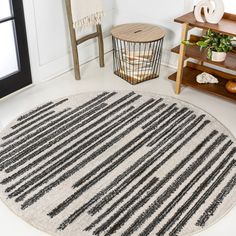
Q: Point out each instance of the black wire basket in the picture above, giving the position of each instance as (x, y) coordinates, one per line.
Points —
(137, 62)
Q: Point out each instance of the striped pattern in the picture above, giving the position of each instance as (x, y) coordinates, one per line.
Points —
(118, 163)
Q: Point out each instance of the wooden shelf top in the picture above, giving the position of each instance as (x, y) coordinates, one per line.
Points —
(138, 33)
(189, 79)
(226, 26)
(195, 53)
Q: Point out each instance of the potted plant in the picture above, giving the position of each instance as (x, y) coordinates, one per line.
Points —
(216, 44)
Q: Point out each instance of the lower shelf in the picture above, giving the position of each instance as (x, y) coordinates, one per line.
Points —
(133, 80)
(189, 79)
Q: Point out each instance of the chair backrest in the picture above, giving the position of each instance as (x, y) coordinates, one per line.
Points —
(75, 42)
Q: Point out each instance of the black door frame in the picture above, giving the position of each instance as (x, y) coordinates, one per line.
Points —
(21, 78)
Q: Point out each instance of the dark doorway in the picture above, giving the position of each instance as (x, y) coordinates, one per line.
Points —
(14, 56)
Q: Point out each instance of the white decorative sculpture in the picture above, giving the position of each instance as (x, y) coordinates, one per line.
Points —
(206, 78)
(213, 11)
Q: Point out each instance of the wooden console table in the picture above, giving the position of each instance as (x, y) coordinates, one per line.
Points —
(187, 74)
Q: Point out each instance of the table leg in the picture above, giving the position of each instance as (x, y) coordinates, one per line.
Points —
(185, 29)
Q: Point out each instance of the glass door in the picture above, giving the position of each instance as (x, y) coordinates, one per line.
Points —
(14, 57)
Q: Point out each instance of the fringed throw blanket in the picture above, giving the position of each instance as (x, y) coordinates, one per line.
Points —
(86, 13)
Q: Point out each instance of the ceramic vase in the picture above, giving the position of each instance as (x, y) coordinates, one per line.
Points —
(213, 11)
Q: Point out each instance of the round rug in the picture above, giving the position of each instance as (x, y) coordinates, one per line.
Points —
(118, 163)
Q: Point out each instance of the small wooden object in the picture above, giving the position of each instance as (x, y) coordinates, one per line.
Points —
(231, 87)
(75, 42)
(137, 51)
(138, 33)
(187, 74)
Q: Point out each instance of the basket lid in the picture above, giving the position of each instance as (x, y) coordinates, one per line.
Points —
(138, 32)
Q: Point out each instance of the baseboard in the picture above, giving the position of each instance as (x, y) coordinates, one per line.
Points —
(87, 53)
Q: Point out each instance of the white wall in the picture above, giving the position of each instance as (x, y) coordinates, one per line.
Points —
(48, 37)
(158, 12)
(48, 34)
(162, 13)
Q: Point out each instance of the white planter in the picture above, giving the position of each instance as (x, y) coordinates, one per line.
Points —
(218, 56)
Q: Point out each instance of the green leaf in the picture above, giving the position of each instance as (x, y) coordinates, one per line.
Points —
(202, 44)
(213, 41)
(209, 54)
(188, 43)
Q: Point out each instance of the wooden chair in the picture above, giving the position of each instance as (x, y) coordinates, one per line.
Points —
(75, 42)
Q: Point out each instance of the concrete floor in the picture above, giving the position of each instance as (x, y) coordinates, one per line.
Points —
(96, 79)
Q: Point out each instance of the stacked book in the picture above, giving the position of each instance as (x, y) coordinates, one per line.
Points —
(137, 64)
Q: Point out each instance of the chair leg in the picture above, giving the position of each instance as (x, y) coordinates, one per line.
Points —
(76, 63)
(73, 41)
(100, 45)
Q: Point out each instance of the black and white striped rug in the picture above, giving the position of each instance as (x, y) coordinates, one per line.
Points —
(118, 163)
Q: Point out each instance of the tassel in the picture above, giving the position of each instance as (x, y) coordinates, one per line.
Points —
(93, 19)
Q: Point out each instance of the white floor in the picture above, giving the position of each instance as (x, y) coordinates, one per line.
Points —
(94, 78)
